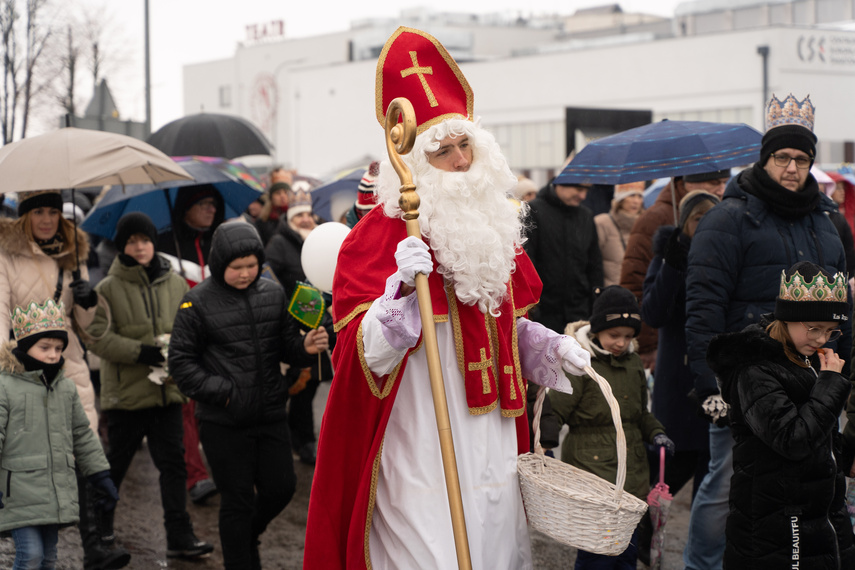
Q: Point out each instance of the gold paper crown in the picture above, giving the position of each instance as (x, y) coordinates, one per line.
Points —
(35, 319)
(790, 111)
(797, 288)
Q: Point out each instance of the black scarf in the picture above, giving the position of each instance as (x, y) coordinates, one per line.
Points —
(784, 202)
(153, 270)
(30, 364)
(52, 246)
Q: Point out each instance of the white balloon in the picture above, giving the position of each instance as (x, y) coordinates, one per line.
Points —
(320, 253)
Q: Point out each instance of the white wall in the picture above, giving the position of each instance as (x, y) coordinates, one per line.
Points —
(325, 112)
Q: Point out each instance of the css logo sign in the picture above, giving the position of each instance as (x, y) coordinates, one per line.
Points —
(811, 48)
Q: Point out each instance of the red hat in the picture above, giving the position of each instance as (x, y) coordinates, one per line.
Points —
(413, 64)
(365, 197)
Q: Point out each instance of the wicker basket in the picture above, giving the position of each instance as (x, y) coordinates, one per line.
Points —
(573, 506)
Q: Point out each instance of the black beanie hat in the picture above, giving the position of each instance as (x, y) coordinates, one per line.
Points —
(812, 295)
(691, 201)
(27, 342)
(788, 136)
(704, 176)
(28, 201)
(615, 306)
(130, 224)
(279, 186)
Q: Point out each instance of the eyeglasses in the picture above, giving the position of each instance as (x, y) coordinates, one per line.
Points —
(783, 160)
(814, 333)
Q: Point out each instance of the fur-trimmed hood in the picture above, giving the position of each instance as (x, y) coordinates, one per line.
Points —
(15, 242)
(8, 363)
(731, 352)
(581, 331)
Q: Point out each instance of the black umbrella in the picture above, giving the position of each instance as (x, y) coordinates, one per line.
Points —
(210, 134)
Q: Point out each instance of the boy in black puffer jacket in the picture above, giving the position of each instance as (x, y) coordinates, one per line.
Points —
(229, 337)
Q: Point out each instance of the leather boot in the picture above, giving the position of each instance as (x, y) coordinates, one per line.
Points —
(96, 554)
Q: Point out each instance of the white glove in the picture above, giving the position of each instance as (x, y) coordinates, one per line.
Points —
(716, 409)
(574, 357)
(412, 256)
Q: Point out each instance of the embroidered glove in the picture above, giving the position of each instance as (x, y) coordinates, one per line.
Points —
(84, 295)
(662, 440)
(412, 256)
(106, 495)
(150, 355)
(676, 251)
(715, 409)
(543, 355)
(399, 316)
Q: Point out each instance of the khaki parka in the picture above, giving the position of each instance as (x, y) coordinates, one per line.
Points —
(43, 432)
(591, 443)
(139, 312)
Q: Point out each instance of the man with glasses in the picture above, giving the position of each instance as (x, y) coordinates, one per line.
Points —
(772, 216)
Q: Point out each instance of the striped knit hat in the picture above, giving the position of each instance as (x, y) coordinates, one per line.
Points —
(366, 198)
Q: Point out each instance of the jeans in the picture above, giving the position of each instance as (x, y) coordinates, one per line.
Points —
(162, 427)
(705, 543)
(254, 472)
(626, 560)
(35, 547)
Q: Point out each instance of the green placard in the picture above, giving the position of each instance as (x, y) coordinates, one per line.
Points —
(307, 305)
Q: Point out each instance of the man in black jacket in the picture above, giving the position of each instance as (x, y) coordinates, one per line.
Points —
(562, 244)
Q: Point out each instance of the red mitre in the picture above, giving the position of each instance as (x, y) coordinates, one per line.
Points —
(413, 64)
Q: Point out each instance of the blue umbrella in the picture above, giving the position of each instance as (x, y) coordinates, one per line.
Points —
(341, 191)
(663, 149)
(238, 189)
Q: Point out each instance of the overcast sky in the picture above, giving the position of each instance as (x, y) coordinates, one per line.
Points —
(193, 31)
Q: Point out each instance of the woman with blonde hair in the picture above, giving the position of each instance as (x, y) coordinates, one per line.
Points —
(614, 227)
(39, 253)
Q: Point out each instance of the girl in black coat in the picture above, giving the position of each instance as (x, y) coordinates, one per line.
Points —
(786, 393)
(229, 337)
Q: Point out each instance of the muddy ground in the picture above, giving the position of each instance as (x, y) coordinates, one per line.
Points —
(140, 529)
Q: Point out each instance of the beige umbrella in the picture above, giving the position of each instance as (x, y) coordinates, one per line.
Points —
(80, 158)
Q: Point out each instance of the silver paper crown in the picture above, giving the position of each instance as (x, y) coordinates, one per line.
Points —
(790, 111)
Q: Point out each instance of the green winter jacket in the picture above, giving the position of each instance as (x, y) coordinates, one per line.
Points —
(139, 312)
(43, 429)
(591, 442)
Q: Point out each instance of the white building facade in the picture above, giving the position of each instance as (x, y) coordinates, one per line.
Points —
(314, 97)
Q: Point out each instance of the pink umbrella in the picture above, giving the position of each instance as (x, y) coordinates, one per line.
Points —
(659, 500)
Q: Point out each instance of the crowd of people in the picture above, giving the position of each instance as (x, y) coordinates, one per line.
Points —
(720, 317)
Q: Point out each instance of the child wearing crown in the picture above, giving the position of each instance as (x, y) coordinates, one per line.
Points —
(786, 393)
(43, 432)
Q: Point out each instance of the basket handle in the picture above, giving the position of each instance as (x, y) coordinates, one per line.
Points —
(606, 388)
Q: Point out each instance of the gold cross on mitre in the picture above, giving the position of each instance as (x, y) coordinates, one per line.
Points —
(421, 71)
(441, 92)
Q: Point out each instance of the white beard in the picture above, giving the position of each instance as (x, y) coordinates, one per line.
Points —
(474, 229)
